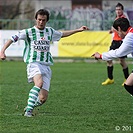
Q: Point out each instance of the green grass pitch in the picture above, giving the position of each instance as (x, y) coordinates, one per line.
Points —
(77, 101)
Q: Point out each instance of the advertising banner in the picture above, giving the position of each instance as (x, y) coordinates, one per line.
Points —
(84, 44)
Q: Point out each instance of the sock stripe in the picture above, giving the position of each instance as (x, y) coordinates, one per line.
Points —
(28, 108)
(31, 101)
(35, 91)
(33, 95)
(29, 105)
(36, 88)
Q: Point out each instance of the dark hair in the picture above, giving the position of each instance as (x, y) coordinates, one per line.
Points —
(123, 23)
(120, 5)
(42, 12)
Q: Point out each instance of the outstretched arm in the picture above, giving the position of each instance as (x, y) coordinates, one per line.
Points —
(125, 49)
(2, 52)
(70, 32)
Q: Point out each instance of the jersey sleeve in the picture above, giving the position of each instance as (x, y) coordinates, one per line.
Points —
(20, 35)
(125, 49)
(56, 35)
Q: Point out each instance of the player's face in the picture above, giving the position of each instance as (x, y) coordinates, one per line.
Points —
(118, 11)
(41, 21)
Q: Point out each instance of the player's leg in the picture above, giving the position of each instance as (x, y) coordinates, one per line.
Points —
(110, 69)
(33, 94)
(129, 80)
(125, 69)
(42, 97)
(110, 79)
(43, 94)
(33, 75)
(129, 84)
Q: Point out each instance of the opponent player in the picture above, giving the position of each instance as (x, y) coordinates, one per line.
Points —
(125, 31)
(116, 43)
(37, 56)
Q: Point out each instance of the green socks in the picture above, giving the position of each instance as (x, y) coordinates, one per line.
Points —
(33, 95)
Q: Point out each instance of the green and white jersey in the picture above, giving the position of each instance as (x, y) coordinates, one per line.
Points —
(37, 44)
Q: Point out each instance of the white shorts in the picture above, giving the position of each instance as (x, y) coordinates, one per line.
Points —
(38, 68)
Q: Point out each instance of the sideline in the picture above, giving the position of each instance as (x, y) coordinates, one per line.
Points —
(129, 60)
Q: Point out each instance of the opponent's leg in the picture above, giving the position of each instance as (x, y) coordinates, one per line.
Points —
(110, 79)
(129, 84)
(125, 69)
(129, 88)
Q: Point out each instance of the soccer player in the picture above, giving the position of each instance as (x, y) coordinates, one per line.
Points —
(116, 43)
(37, 56)
(125, 31)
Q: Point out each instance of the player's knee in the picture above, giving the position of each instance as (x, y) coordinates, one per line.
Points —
(43, 99)
(123, 63)
(39, 84)
(43, 95)
(109, 63)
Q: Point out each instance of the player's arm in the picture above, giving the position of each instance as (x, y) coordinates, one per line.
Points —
(124, 49)
(21, 35)
(111, 30)
(70, 32)
(2, 52)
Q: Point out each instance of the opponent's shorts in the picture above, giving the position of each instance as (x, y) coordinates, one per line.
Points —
(116, 45)
(38, 68)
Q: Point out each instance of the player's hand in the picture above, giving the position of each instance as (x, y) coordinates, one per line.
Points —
(83, 28)
(2, 56)
(110, 31)
(97, 55)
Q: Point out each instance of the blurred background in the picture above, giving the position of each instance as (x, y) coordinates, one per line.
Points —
(64, 14)
(98, 15)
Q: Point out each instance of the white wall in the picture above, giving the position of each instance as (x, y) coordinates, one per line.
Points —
(16, 49)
